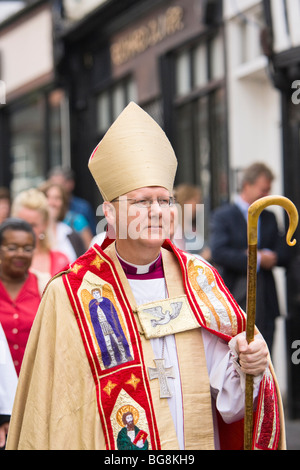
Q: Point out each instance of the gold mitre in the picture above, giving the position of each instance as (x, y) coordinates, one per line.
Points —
(134, 153)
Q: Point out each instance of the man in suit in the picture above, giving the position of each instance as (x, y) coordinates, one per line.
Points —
(229, 248)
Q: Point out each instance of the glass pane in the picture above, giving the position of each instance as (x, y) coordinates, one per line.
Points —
(131, 91)
(155, 110)
(184, 144)
(118, 100)
(202, 156)
(111, 103)
(200, 66)
(217, 58)
(55, 141)
(218, 148)
(27, 145)
(103, 112)
(203, 148)
(183, 74)
(243, 35)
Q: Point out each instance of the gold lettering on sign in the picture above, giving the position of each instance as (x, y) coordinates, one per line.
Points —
(153, 32)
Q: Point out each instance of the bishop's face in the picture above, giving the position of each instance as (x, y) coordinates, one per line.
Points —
(143, 217)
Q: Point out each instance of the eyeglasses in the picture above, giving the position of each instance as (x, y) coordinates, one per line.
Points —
(28, 249)
(147, 203)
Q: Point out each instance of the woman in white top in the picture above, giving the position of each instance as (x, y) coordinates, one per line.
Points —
(62, 236)
(8, 385)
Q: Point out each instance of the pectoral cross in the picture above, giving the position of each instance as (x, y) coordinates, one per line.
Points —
(162, 374)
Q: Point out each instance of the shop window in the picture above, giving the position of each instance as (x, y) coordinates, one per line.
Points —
(217, 58)
(199, 104)
(155, 110)
(200, 66)
(59, 132)
(199, 120)
(103, 112)
(183, 73)
(39, 138)
(195, 66)
(27, 144)
(112, 101)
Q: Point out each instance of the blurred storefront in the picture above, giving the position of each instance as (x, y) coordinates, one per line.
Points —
(168, 56)
(85, 60)
(70, 66)
(34, 114)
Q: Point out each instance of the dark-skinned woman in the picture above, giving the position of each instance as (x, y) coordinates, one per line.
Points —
(20, 289)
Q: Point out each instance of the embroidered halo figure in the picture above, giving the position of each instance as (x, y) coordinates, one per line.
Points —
(130, 437)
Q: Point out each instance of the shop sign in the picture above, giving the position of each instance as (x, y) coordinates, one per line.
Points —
(148, 35)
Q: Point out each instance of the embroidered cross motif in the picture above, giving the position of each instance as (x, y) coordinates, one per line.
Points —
(134, 381)
(76, 268)
(109, 387)
(162, 374)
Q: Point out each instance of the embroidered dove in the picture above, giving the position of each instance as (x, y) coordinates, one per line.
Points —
(164, 317)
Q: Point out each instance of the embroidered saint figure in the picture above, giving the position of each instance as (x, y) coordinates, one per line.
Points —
(131, 437)
(110, 336)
